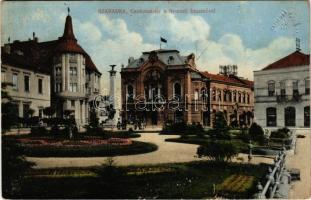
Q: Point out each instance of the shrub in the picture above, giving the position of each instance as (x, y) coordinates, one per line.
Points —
(109, 171)
(256, 133)
(218, 151)
(282, 133)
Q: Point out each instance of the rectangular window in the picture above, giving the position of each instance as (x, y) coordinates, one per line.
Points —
(26, 109)
(73, 58)
(307, 86)
(295, 88)
(271, 89)
(73, 103)
(40, 91)
(282, 88)
(26, 83)
(73, 71)
(58, 87)
(15, 81)
(73, 87)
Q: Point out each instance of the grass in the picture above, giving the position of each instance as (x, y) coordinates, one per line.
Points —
(179, 180)
(88, 151)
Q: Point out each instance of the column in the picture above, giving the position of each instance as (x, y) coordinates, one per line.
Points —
(63, 73)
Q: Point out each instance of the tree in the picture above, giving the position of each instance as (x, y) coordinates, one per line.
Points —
(9, 115)
(256, 133)
(220, 127)
(14, 167)
(220, 151)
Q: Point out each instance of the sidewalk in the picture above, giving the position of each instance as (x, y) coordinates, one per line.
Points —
(302, 161)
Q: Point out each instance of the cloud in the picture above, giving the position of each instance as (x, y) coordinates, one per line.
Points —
(189, 30)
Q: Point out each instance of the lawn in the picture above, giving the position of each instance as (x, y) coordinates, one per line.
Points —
(180, 180)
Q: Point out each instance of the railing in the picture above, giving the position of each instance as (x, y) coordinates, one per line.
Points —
(278, 179)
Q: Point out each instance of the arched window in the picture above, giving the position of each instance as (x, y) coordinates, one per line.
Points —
(271, 116)
(214, 94)
(271, 88)
(240, 97)
(219, 95)
(130, 93)
(196, 95)
(248, 99)
(229, 96)
(234, 96)
(177, 90)
(244, 98)
(307, 116)
(290, 116)
(203, 94)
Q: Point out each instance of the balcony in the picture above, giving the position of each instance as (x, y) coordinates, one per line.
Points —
(288, 98)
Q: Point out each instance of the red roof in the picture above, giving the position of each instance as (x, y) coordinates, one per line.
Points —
(294, 59)
(228, 79)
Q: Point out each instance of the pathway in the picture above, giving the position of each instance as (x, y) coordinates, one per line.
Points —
(168, 152)
(301, 160)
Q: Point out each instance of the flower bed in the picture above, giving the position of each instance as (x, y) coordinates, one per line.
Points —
(44, 147)
(31, 142)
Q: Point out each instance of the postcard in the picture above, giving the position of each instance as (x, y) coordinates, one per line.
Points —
(155, 100)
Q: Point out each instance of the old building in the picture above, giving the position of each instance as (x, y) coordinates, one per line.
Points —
(161, 86)
(282, 92)
(70, 80)
(232, 95)
(30, 84)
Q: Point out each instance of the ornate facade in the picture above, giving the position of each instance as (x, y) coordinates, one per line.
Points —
(72, 80)
(162, 86)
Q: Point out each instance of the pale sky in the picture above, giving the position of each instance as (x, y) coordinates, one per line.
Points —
(248, 34)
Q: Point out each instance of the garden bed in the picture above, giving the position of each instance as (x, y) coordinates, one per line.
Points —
(86, 148)
(180, 180)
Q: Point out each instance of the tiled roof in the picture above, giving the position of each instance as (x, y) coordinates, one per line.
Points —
(294, 59)
(228, 79)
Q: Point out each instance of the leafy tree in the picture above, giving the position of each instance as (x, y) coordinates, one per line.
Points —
(220, 151)
(14, 167)
(220, 127)
(9, 116)
(256, 133)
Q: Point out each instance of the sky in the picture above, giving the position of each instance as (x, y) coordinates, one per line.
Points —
(248, 34)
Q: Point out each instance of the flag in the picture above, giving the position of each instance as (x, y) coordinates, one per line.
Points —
(163, 40)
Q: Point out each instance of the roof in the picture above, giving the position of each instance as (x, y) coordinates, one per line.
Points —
(296, 58)
(169, 57)
(21, 61)
(42, 53)
(228, 79)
